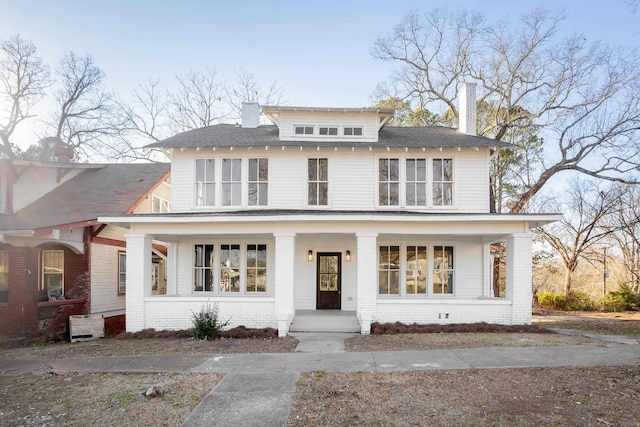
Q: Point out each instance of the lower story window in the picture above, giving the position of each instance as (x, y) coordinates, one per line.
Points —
(53, 272)
(230, 268)
(443, 270)
(122, 272)
(416, 270)
(389, 270)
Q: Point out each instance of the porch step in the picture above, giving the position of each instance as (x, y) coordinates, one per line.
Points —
(325, 321)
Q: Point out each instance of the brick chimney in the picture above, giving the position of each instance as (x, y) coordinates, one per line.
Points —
(467, 109)
(250, 114)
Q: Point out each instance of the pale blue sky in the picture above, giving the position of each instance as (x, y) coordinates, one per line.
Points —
(318, 51)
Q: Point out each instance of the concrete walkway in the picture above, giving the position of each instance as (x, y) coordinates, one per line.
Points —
(257, 388)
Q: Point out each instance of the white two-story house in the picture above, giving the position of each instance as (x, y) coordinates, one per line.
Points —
(329, 209)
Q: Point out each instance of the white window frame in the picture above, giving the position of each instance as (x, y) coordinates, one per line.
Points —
(328, 131)
(163, 204)
(430, 246)
(305, 129)
(258, 182)
(203, 184)
(44, 274)
(122, 272)
(452, 182)
(232, 182)
(328, 182)
(353, 130)
(416, 182)
(216, 268)
(389, 181)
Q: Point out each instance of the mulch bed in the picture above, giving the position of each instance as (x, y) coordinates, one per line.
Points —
(401, 328)
(237, 332)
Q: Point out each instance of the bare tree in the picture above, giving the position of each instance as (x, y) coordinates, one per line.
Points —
(584, 98)
(247, 89)
(197, 102)
(24, 79)
(580, 230)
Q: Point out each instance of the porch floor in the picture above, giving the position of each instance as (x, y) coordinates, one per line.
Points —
(325, 321)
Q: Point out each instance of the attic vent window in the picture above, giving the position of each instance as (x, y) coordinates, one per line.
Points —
(303, 130)
(353, 131)
(330, 131)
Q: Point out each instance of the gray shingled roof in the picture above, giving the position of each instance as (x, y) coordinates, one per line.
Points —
(225, 135)
(110, 190)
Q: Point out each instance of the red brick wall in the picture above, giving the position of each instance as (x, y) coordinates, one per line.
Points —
(114, 325)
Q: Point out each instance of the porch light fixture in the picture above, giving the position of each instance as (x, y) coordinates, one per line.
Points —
(310, 255)
(347, 256)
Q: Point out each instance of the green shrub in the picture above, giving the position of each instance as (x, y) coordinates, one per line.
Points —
(580, 301)
(206, 323)
(552, 300)
(622, 299)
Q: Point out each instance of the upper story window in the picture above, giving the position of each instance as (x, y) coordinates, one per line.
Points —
(318, 182)
(328, 130)
(352, 131)
(388, 182)
(416, 182)
(4, 276)
(159, 205)
(258, 182)
(442, 182)
(231, 182)
(205, 186)
(53, 272)
(303, 130)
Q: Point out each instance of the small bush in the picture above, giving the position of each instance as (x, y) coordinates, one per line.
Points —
(206, 324)
(622, 299)
(580, 301)
(552, 300)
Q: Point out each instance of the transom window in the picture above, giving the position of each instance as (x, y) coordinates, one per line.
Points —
(328, 130)
(443, 182)
(53, 272)
(388, 182)
(230, 268)
(352, 131)
(122, 272)
(416, 183)
(303, 130)
(4, 276)
(318, 182)
(205, 182)
(258, 182)
(231, 182)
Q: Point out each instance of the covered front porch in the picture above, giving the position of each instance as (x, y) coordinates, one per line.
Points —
(430, 272)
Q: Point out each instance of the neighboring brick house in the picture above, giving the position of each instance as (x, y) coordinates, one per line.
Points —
(56, 258)
(328, 210)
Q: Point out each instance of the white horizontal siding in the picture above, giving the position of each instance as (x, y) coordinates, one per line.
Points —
(104, 279)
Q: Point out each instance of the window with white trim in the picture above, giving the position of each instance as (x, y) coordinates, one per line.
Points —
(159, 205)
(416, 273)
(328, 131)
(230, 268)
(256, 268)
(203, 268)
(442, 182)
(442, 270)
(389, 270)
(388, 182)
(303, 130)
(258, 188)
(205, 185)
(231, 182)
(318, 182)
(4, 276)
(352, 131)
(416, 182)
(122, 272)
(53, 272)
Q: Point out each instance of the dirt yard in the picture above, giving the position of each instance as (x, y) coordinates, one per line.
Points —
(530, 397)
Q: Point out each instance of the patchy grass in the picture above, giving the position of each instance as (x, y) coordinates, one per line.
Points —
(81, 399)
(597, 396)
(624, 323)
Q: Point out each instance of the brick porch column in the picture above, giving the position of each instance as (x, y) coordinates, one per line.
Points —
(138, 279)
(284, 278)
(367, 273)
(519, 277)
